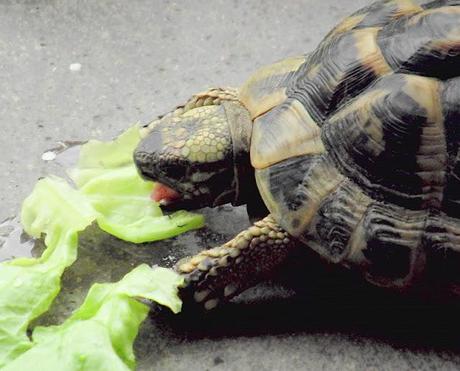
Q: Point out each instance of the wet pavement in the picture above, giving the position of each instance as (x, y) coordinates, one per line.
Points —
(74, 70)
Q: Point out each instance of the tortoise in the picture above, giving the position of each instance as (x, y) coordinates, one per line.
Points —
(350, 150)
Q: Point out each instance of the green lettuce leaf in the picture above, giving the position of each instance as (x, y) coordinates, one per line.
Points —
(100, 334)
(112, 193)
(106, 174)
(27, 285)
(96, 157)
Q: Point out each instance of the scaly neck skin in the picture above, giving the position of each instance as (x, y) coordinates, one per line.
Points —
(240, 124)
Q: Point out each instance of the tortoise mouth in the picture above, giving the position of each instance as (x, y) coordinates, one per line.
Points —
(163, 194)
(171, 199)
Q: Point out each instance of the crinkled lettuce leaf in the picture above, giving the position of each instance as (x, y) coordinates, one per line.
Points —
(106, 174)
(112, 154)
(97, 157)
(100, 334)
(28, 285)
(112, 193)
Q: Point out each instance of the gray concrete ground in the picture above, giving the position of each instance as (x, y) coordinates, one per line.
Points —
(78, 69)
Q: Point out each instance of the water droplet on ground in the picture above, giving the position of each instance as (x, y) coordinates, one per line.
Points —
(14, 242)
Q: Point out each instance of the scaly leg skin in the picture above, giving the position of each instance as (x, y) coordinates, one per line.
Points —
(218, 274)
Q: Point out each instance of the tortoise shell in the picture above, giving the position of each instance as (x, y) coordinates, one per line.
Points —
(355, 146)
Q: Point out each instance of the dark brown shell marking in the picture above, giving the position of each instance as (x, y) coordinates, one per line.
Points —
(384, 194)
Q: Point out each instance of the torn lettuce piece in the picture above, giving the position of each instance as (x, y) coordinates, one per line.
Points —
(57, 210)
(106, 174)
(115, 153)
(28, 285)
(100, 334)
(111, 192)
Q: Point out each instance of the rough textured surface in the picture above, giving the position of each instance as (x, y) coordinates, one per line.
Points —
(72, 70)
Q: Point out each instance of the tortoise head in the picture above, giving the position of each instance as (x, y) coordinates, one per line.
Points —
(197, 155)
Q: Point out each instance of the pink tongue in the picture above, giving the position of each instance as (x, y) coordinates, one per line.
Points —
(162, 192)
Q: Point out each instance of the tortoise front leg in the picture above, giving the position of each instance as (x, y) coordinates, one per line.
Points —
(220, 273)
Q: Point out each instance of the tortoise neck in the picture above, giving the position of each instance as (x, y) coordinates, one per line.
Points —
(240, 125)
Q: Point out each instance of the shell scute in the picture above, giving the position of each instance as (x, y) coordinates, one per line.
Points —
(379, 187)
(346, 64)
(376, 14)
(427, 43)
(266, 88)
(391, 141)
(272, 140)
